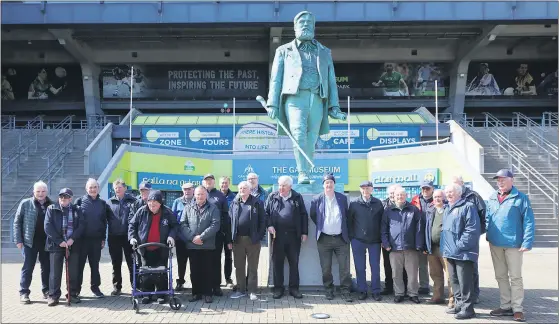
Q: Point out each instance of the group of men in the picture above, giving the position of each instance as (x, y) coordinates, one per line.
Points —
(437, 232)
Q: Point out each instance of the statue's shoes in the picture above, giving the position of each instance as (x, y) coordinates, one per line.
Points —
(303, 179)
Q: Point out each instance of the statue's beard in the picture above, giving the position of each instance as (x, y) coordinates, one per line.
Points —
(304, 34)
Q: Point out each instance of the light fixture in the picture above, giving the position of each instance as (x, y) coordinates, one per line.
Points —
(462, 75)
(61, 41)
(275, 39)
(86, 77)
(492, 37)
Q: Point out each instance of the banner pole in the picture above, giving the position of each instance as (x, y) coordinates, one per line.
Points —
(131, 93)
(348, 125)
(437, 111)
(234, 122)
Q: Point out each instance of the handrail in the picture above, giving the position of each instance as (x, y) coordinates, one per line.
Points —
(8, 122)
(14, 155)
(551, 149)
(373, 148)
(61, 144)
(35, 123)
(66, 123)
(550, 119)
(47, 174)
(501, 138)
(88, 133)
(492, 121)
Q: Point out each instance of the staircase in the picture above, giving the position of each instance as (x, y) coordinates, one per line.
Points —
(546, 221)
(14, 186)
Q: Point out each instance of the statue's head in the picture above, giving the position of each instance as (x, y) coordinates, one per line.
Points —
(304, 26)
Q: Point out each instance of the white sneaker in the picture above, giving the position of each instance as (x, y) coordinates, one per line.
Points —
(253, 297)
(237, 294)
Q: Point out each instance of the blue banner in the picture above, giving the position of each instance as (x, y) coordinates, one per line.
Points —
(270, 170)
(164, 181)
(261, 137)
(405, 178)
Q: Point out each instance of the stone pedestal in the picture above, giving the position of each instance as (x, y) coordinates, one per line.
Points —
(310, 272)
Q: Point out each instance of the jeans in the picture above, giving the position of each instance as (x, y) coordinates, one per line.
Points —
(29, 261)
(461, 277)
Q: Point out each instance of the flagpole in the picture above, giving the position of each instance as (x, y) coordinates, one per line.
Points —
(131, 93)
(348, 126)
(234, 122)
(437, 111)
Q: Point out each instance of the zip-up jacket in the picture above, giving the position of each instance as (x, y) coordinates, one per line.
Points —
(461, 231)
(96, 213)
(402, 229)
(141, 223)
(25, 221)
(54, 230)
(120, 214)
(257, 218)
(365, 219)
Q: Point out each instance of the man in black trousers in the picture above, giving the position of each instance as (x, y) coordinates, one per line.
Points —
(96, 213)
(223, 237)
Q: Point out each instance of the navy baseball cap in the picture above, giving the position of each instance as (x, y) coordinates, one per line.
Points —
(427, 183)
(328, 176)
(144, 185)
(65, 192)
(504, 173)
(366, 184)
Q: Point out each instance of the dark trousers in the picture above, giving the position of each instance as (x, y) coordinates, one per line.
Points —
(359, 259)
(388, 281)
(220, 245)
(29, 261)
(476, 282)
(334, 244)
(200, 262)
(90, 249)
(56, 260)
(461, 275)
(286, 244)
(155, 258)
(182, 260)
(117, 245)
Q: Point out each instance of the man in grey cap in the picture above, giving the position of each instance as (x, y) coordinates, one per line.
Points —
(424, 202)
(510, 232)
(364, 225)
(223, 236)
(329, 212)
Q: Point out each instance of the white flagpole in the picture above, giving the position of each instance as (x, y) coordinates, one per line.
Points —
(234, 122)
(131, 93)
(348, 126)
(437, 111)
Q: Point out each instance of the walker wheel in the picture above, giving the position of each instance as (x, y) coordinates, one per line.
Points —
(175, 303)
(135, 305)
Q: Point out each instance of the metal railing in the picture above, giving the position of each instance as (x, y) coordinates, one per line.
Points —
(492, 121)
(12, 159)
(544, 146)
(550, 119)
(8, 122)
(100, 121)
(289, 151)
(35, 123)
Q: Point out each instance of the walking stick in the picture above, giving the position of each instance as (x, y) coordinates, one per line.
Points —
(68, 300)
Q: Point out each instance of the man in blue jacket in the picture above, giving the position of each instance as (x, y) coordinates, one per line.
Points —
(329, 213)
(460, 246)
(403, 235)
(510, 232)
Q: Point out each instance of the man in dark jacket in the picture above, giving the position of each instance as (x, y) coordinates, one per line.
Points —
(473, 197)
(388, 282)
(121, 205)
(178, 208)
(424, 202)
(224, 183)
(154, 223)
(96, 213)
(248, 225)
(142, 199)
(256, 189)
(64, 225)
(288, 222)
(460, 246)
(223, 237)
(403, 235)
(199, 225)
(329, 213)
(30, 237)
(364, 224)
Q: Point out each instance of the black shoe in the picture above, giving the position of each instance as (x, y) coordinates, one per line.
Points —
(146, 300)
(278, 294)
(347, 297)
(415, 299)
(377, 297)
(295, 293)
(463, 315)
(52, 301)
(218, 292)
(75, 300)
(329, 295)
(385, 292)
(229, 283)
(162, 300)
(116, 292)
(362, 296)
(452, 311)
(195, 298)
(46, 295)
(423, 291)
(398, 299)
(24, 299)
(98, 294)
(208, 299)
(476, 300)
(179, 287)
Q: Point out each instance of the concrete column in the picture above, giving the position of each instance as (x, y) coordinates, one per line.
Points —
(275, 34)
(91, 89)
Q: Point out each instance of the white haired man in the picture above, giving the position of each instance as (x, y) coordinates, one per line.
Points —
(30, 237)
(288, 222)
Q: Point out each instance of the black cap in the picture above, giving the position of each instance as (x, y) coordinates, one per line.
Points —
(65, 192)
(144, 185)
(366, 184)
(427, 183)
(504, 173)
(157, 196)
(209, 175)
(328, 176)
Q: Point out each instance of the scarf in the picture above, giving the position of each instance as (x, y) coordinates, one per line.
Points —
(67, 223)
